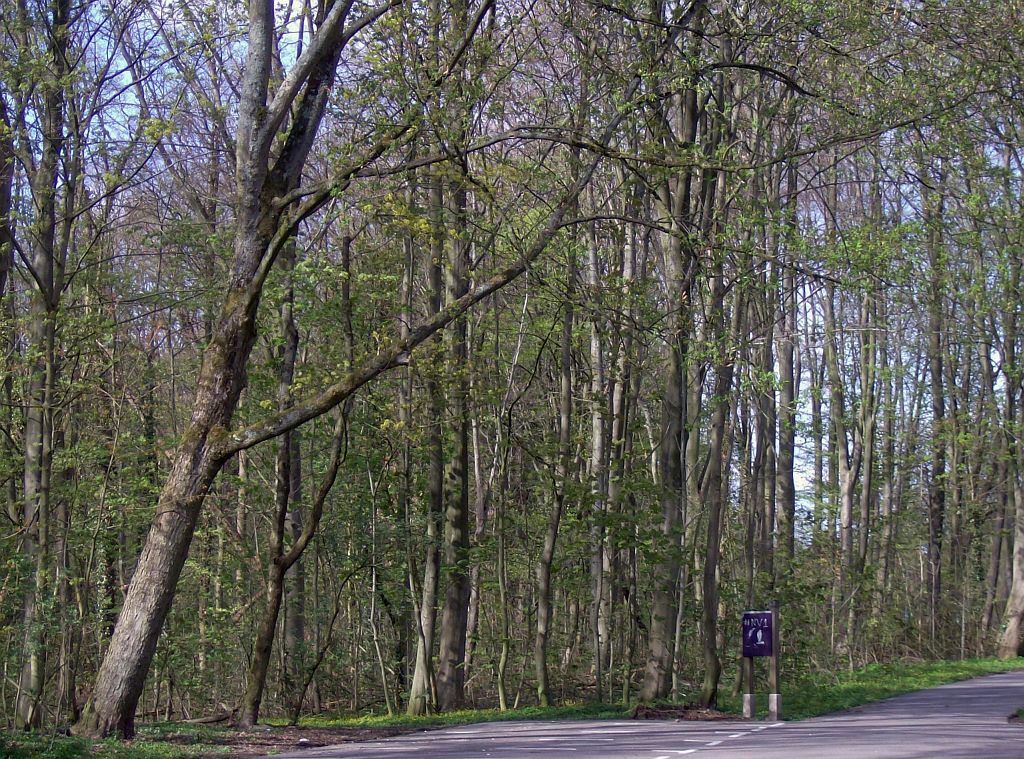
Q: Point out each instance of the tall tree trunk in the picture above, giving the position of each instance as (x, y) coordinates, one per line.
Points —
(262, 648)
(295, 585)
(287, 487)
(422, 695)
(451, 673)
(995, 550)
(848, 456)
(789, 375)
(711, 489)
(561, 481)
(599, 490)
(661, 652)
(673, 203)
(481, 504)
(934, 219)
(888, 472)
(46, 267)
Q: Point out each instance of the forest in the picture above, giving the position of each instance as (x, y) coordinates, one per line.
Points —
(412, 355)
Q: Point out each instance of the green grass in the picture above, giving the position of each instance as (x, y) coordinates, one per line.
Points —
(809, 697)
(824, 693)
(470, 716)
(153, 742)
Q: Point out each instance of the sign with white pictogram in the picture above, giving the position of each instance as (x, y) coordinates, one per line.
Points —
(757, 633)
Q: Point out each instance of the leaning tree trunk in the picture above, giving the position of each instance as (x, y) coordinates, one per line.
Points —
(261, 178)
(260, 663)
(123, 672)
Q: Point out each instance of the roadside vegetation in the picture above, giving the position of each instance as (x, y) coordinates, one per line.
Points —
(811, 696)
(824, 693)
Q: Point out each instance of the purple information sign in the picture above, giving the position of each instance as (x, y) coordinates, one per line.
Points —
(757, 633)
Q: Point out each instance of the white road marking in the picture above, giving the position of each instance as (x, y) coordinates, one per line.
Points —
(606, 740)
(714, 743)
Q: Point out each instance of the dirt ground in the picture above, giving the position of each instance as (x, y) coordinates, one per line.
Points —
(263, 740)
(688, 713)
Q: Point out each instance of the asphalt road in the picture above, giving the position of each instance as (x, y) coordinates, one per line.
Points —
(967, 719)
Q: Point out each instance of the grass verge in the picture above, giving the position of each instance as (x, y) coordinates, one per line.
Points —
(824, 693)
(472, 716)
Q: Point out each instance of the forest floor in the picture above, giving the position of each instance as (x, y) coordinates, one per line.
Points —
(268, 739)
(809, 696)
(183, 741)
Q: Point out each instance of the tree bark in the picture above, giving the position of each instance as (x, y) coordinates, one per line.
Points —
(451, 673)
(711, 493)
(673, 203)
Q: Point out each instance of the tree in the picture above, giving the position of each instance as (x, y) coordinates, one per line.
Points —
(263, 227)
